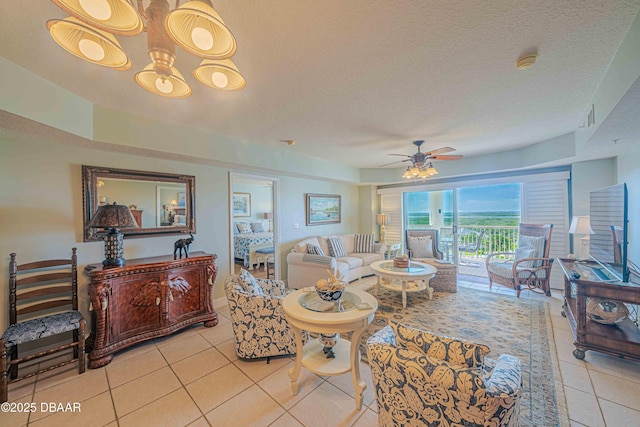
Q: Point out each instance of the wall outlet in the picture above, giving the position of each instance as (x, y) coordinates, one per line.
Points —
(295, 225)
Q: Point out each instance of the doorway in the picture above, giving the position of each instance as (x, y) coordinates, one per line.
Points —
(253, 228)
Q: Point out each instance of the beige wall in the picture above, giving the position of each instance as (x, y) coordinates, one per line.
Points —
(41, 213)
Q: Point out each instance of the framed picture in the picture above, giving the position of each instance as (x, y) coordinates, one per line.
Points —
(241, 204)
(323, 209)
(181, 199)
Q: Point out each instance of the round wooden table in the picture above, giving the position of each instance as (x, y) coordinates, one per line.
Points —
(418, 272)
(305, 311)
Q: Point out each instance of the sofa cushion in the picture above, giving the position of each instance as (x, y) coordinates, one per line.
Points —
(367, 259)
(315, 250)
(347, 242)
(363, 243)
(336, 249)
(421, 247)
(352, 261)
(324, 245)
(301, 247)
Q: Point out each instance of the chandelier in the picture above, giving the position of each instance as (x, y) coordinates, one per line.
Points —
(194, 26)
(420, 170)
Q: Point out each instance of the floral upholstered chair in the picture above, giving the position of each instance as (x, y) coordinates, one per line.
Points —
(257, 317)
(422, 379)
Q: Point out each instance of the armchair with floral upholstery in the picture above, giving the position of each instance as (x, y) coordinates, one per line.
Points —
(257, 317)
(422, 379)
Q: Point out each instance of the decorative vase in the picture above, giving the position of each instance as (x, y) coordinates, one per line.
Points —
(329, 341)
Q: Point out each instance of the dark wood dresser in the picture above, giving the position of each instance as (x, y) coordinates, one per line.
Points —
(148, 298)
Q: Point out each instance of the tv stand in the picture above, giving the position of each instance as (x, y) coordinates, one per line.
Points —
(621, 339)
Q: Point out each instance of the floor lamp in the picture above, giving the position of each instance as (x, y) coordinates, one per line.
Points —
(382, 220)
(582, 225)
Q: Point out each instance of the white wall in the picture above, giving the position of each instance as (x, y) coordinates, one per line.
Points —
(629, 171)
(41, 213)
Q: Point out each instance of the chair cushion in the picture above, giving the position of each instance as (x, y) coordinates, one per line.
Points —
(525, 252)
(504, 269)
(249, 283)
(421, 247)
(363, 243)
(336, 249)
(537, 243)
(42, 327)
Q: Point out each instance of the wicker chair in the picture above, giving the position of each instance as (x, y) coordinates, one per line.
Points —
(530, 266)
(422, 379)
(257, 317)
(433, 234)
(43, 302)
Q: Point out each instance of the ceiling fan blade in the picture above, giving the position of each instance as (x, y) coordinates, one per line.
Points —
(399, 155)
(447, 157)
(393, 163)
(441, 150)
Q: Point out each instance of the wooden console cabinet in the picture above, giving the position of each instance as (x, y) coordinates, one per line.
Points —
(621, 339)
(148, 298)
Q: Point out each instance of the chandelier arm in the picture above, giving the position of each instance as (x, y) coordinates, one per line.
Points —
(142, 12)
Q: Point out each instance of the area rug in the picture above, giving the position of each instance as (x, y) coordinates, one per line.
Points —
(506, 324)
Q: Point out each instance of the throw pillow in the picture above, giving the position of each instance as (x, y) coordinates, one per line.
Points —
(244, 227)
(525, 252)
(536, 243)
(315, 250)
(421, 247)
(257, 227)
(335, 247)
(364, 243)
(249, 283)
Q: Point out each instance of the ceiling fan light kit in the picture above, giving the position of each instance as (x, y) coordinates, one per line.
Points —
(421, 165)
(194, 26)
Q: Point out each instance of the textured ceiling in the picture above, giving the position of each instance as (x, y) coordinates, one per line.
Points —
(352, 81)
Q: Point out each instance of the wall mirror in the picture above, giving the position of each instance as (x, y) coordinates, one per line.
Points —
(161, 203)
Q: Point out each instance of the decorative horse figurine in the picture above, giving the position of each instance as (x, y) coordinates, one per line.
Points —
(181, 244)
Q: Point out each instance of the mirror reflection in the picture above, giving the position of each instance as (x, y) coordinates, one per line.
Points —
(160, 203)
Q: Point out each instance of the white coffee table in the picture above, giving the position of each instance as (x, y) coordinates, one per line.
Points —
(417, 272)
(347, 354)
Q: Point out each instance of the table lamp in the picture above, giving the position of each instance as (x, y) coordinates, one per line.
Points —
(582, 225)
(268, 216)
(382, 220)
(112, 218)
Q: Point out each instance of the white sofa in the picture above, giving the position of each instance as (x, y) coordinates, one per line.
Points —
(304, 269)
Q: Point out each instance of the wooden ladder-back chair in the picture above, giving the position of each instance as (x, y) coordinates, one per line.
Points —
(530, 266)
(43, 301)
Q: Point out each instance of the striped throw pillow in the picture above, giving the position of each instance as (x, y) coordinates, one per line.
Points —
(363, 243)
(315, 250)
(335, 247)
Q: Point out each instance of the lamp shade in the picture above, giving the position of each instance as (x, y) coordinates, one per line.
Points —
(173, 86)
(580, 225)
(197, 28)
(268, 215)
(90, 44)
(223, 75)
(114, 16)
(113, 216)
(382, 219)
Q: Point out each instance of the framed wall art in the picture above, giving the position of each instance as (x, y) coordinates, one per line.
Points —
(241, 204)
(323, 209)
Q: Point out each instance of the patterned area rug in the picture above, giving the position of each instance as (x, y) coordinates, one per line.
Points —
(506, 324)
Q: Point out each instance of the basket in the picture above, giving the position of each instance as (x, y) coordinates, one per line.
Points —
(400, 263)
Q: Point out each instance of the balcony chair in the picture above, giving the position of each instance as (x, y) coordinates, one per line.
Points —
(257, 317)
(429, 380)
(468, 244)
(43, 301)
(529, 267)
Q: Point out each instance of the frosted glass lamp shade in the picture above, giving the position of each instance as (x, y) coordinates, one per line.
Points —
(90, 44)
(173, 86)
(580, 225)
(223, 75)
(115, 16)
(197, 28)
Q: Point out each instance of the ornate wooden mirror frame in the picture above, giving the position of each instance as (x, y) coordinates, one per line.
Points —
(94, 177)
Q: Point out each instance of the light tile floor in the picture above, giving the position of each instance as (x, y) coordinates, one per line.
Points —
(194, 378)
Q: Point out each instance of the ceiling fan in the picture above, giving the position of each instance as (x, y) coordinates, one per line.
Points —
(420, 158)
(421, 162)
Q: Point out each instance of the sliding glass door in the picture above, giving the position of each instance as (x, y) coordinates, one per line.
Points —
(434, 210)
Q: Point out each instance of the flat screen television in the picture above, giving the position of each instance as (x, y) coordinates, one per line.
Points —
(608, 210)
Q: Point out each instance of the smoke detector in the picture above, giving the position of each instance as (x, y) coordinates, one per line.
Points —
(526, 61)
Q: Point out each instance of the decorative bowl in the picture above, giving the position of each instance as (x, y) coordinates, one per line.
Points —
(331, 296)
(607, 312)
